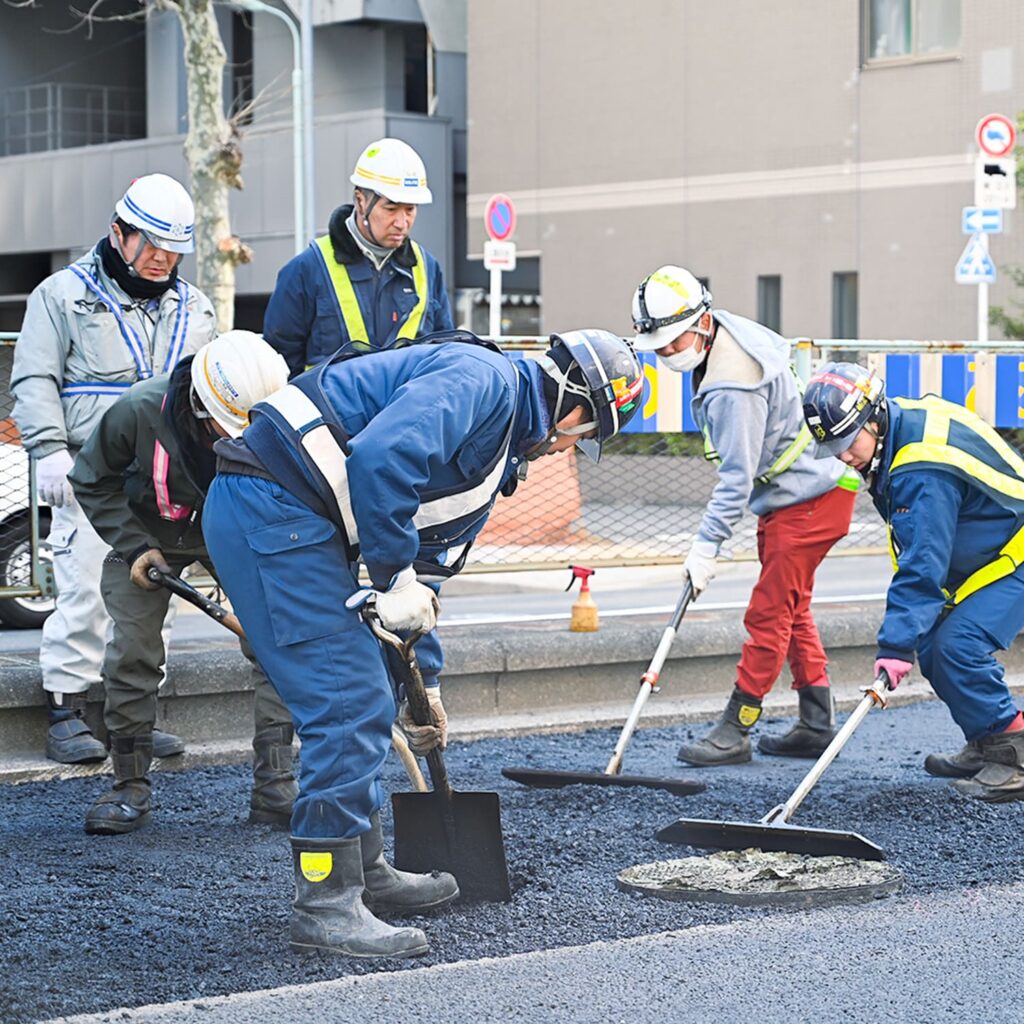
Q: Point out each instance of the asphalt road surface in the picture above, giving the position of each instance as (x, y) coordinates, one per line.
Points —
(195, 907)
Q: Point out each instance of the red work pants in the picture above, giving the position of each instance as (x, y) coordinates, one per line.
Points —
(791, 542)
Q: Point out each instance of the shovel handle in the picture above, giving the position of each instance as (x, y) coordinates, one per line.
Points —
(415, 691)
(176, 585)
(874, 695)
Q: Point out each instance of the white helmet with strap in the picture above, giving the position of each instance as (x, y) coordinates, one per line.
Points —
(160, 208)
(394, 170)
(231, 374)
(667, 303)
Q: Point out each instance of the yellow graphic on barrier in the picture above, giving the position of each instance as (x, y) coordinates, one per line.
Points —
(315, 866)
(651, 376)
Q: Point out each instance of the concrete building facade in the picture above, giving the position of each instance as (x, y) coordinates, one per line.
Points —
(82, 114)
(808, 159)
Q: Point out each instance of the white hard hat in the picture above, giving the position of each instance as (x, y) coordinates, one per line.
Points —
(161, 209)
(232, 373)
(667, 303)
(393, 169)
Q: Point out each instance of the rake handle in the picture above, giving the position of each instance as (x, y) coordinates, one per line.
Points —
(875, 694)
(649, 679)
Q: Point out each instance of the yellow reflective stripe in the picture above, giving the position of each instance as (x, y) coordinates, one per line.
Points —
(419, 280)
(350, 311)
(893, 557)
(789, 456)
(972, 421)
(918, 451)
(849, 481)
(1008, 560)
(710, 452)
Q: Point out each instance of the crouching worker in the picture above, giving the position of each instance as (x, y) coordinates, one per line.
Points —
(952, 493)
(140, 479)
(394, 461)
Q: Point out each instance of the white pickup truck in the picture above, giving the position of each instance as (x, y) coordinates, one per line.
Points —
(16, 541)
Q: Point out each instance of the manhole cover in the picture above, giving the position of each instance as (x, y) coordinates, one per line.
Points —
(758, 877)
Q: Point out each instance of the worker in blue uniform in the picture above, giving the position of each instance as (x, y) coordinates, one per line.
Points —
(365, 285)
(952, 493)
(393, 461)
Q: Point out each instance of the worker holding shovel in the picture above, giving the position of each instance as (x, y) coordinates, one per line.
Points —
(140, 479)
(393, 461)
(952, 493)
(747, 405)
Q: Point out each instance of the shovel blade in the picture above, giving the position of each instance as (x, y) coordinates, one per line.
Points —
(742, 835)
(541, 778)
(462, 836)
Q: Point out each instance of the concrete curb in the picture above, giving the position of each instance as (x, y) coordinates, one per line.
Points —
(499, 680)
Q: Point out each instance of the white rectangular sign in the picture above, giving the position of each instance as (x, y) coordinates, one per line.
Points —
(499, 255)
(995, 182)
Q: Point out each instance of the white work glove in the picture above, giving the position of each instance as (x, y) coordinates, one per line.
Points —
(423, 738)
(52, 478)
(406, 604)
(700, 564)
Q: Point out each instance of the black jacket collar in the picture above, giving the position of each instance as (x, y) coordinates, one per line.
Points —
(345, 248)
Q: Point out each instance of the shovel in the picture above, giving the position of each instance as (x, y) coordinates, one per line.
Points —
(611, 776)
(176, 585)
(774, 832)
(443, 829)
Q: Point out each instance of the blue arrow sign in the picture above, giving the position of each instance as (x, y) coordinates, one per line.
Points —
(985, 219)
(975, 265)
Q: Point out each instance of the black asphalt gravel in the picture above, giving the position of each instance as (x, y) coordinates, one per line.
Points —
(197, 904)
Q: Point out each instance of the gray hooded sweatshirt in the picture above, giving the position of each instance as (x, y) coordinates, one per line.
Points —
(748, 407)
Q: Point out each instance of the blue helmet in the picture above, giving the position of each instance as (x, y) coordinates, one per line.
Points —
(600, 370)
(839, 400)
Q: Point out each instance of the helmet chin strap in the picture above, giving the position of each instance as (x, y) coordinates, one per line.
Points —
(876, 459)
(115, 241)
(551, 368)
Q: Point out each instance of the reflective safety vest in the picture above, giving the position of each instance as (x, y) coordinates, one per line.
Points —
(352, 315)
(306, 422)
(936, 433)
(849, 481)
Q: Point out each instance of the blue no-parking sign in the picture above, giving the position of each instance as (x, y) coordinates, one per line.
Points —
(500, 217)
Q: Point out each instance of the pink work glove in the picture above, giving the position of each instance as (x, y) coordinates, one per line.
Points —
(894, 668)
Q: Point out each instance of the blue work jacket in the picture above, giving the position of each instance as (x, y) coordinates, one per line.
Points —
(944, 526)
(421, 424)
(304, 321)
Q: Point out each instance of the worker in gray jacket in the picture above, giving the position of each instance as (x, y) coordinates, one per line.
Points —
(118, 315)
(746, 403)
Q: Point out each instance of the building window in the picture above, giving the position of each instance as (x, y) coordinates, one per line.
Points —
(769, 301)
(844, 305)
(241, 68)
(910, 28)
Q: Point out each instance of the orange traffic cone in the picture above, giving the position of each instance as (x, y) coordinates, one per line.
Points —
(584, 611)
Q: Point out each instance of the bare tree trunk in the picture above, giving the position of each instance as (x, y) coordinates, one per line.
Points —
(214, 157)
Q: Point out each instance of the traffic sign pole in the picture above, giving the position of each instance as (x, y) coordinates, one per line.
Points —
(494, 320)
(500, 221)
(983, 302)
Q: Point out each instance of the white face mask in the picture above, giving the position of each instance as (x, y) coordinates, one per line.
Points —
(688, 359)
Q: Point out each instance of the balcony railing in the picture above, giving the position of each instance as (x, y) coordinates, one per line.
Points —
(60, 115)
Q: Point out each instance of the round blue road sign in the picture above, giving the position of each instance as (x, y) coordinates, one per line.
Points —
(500, 217)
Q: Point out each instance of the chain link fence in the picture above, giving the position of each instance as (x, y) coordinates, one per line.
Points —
(641, 505)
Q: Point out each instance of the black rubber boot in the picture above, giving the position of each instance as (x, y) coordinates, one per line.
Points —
(401, 892)
(728, 742)
(126, 807)
(329, 913)
(166, 744)
(966, 762)
(274, 788)
(1001, 778)
(69, 739)
(812, 733)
